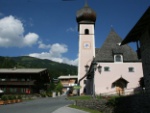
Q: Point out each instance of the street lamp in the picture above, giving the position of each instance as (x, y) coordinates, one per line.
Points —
(95, 67)
(99, 69)
(91, 73)
(86, 68)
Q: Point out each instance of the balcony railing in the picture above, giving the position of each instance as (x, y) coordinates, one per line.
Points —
(24, 83)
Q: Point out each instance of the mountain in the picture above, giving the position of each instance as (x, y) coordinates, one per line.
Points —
(55, 69)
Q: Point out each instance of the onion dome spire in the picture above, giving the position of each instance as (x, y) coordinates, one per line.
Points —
(86, 15)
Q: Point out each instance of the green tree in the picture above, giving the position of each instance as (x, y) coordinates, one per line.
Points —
(59, 87)
(51, 87)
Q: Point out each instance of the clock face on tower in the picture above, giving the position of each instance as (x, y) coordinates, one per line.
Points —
(86, 45)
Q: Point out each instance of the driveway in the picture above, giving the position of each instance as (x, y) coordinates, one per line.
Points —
(42, 105)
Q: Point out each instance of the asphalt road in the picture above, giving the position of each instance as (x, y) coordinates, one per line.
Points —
(42, 105)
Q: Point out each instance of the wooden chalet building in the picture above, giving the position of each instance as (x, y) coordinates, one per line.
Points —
(68, 81)
(24, 81)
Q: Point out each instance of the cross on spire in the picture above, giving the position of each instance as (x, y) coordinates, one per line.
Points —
(86, 3)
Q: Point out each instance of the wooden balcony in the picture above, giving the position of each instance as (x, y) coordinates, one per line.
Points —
(19, 83)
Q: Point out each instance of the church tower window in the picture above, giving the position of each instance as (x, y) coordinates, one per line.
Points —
(86, 31)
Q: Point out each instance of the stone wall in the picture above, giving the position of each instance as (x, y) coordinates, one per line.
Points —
(99, 105)
(126, 104)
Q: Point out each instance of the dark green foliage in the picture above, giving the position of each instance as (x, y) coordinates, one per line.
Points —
(49, 94)
(43, 94)
(10, 97)
(55, 69)
(4, 97)
(59, 87)
(6, 62)
(14, 97)
(112, 101)
(19, 97)
(51, 88)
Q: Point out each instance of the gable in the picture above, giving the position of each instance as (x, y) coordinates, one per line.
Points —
(111, 46)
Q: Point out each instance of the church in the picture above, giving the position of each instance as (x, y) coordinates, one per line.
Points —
(111, 69)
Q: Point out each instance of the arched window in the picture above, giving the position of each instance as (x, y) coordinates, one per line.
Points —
(86, 31)
(118, 58)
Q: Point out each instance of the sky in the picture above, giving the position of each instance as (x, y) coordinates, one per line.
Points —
(47, 29)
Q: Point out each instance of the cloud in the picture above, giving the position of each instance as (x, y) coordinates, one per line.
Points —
(43, 46)
(30, 39)
(55, 54)
(58, 49)
(72, 29)
(12, 33)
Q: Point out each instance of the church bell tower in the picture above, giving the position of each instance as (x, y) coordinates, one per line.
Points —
(86, 18)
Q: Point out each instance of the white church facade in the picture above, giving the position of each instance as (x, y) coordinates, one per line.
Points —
(118, 68)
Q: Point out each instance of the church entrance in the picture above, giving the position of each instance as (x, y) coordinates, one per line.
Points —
(119, 88)
(120, 84)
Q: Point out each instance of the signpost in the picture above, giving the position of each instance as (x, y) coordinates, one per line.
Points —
(77, 87)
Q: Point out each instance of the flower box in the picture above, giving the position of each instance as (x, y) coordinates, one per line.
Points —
(2, 102)
(8, 101)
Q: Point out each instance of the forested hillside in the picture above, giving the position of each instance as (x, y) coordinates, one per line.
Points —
(55, 69)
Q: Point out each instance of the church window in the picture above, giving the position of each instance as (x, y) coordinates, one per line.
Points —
(118, 58)
(106, 69)
(131, 69)
(86, 31)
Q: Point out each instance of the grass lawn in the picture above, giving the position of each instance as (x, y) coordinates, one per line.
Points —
(84, 109)
(84, 97)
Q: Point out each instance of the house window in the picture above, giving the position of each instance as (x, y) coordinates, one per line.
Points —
(106, 69)
(86, 31)
(22, 80)
(22, 90)
(13, 79)
(11, 90)
(118, 58)
(131, 69)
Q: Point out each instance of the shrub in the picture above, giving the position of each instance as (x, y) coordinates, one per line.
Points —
(19, 97)
(14, 97)
(59, 87)
(10, 97)
(4, 97)
(43, 94)
(49, 94)
(99, 97)
(112, 101)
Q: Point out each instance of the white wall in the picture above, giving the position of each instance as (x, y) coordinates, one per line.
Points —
(103, 81)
